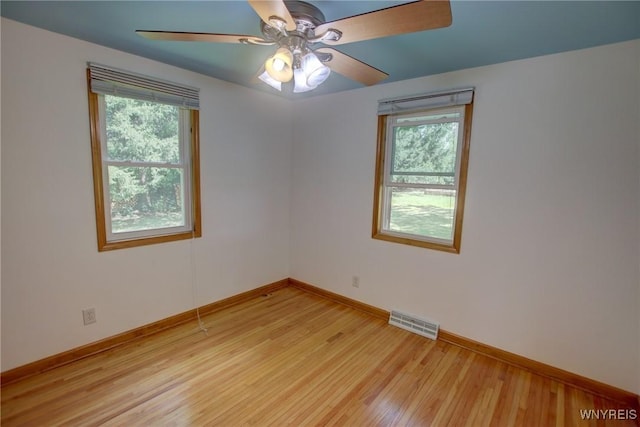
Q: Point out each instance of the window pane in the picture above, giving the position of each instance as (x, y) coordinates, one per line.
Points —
(141, 131)
(424, 148)
(427, 213)
(421, 174)
(144, 198)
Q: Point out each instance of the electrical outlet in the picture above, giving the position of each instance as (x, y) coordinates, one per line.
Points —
(89, 316)
(355, 281)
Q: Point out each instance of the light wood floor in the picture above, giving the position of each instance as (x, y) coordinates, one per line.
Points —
(291, 358)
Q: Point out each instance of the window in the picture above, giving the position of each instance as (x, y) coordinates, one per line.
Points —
(144, 136)
(421, 169)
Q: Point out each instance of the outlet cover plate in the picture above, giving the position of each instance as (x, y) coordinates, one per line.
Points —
(89, 316)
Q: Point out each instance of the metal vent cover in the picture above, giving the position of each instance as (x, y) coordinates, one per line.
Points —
(423, 327)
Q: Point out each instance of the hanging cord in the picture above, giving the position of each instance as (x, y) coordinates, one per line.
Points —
(194, 286)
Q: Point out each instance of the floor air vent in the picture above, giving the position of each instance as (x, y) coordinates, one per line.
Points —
(411, 323)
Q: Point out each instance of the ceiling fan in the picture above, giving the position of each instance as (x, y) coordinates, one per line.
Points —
(296, 27)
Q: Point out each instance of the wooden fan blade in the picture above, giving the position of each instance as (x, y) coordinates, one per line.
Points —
(268, 8)
(350, 67)
(405, 18)
(200, 37)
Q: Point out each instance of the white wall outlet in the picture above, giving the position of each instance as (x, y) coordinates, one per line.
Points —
(89, 316)
(355, 281)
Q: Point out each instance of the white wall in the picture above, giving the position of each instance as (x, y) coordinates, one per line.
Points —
(549, 261)
(51, 268)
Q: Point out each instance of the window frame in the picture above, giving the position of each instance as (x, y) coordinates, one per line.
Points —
(381, 203)
(100, 187)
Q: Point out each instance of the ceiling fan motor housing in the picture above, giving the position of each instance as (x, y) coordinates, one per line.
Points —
(306, 15)
(307, 18)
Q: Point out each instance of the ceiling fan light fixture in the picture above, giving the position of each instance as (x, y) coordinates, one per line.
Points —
(280, 65)
(315, 71)
(300, 81)
(265, 77)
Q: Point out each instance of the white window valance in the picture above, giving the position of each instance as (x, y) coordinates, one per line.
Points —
(112, 81)
(408, 104)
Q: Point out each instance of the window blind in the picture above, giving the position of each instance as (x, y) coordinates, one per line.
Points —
(408, 104)
(112, 81)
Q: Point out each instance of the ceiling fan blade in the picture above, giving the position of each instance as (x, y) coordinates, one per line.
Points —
(405, 18)
(268, 8)
(200, 37)
(350, 67)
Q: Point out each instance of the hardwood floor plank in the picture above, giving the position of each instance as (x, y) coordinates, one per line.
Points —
(293, 358)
